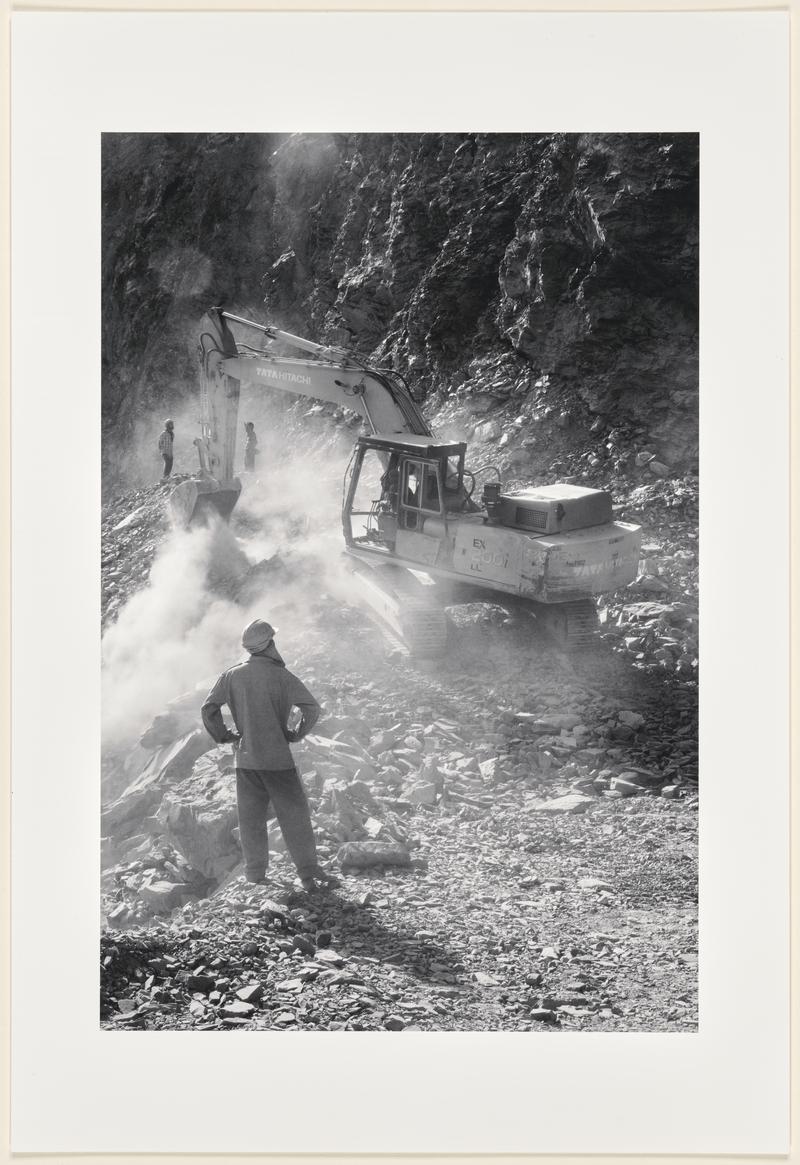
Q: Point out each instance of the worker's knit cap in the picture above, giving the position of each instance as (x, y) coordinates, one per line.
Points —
(257, 635)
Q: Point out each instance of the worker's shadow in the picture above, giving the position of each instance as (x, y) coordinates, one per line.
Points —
(361, 930)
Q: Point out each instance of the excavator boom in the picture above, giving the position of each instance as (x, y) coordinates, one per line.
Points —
(334, 375)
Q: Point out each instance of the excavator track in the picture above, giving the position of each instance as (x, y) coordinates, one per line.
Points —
(571, 626)
(408, 612)
(424, 629)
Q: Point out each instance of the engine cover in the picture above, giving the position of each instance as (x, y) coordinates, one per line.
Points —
(554, 509)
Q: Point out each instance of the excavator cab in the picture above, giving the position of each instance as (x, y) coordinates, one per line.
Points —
(400, 492)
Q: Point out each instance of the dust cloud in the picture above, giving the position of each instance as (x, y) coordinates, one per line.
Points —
(281, 555)
(135, 462)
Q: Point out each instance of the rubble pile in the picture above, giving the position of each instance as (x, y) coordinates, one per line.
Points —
(515, 829)
(478, 830)
(517, 922)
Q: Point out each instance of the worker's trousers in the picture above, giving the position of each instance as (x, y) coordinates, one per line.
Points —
(255, 789)
(167, 459)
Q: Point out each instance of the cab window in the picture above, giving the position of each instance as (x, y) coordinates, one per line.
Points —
(412, 475)
(452, 473)
(430, 489)
(420, 492)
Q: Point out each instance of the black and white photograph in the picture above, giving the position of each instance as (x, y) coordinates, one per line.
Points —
(399, 582)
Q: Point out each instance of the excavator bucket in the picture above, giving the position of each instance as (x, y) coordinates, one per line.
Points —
(194, 502)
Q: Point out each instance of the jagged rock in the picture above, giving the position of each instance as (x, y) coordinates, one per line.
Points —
(198, 815)
(569, 803)
(205, 984)
(543, 1015)
(363, 854)
(421, 793)
(488, 768)
(643, 777)
(237, 1010)
(250, 994)
(164, 730)
(164, 896)
(648, 584)
(349, 818)
(624, 788)
(168, 764)
(328, 956)
(485, 980)
(487, 431)
(274, 911)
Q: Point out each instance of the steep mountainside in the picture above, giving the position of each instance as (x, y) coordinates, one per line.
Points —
(557, 273)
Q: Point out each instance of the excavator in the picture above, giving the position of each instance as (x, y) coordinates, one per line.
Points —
(413, 529)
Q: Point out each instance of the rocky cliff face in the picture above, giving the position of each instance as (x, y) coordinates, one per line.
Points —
(550, 277)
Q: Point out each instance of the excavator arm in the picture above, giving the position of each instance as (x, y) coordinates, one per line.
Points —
(334, 375)
(384, 405)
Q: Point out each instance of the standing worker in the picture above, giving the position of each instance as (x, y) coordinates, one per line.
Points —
(251, 447)
(165, 442)
(261, 693)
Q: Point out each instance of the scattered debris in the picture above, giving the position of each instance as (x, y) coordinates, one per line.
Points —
(501, 828)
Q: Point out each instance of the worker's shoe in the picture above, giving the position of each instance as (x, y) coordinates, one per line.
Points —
(319, 879)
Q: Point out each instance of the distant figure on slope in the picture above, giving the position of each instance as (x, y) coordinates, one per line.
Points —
(261, 694)
(251, 446)
(165, 442)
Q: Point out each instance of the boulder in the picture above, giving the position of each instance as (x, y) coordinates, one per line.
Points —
(238, 1009)
(421, 793)
(625, 788)
(166, 765)
(570, 803)
(162, 897)
(363, 854)
(198, 815)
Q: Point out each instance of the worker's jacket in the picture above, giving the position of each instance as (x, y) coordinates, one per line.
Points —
(165, 443)
(260, 693)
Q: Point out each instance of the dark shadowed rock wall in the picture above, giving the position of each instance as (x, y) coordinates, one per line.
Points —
(557, 272)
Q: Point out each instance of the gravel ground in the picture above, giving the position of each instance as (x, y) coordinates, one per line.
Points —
(546, 804)
(510, 916)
